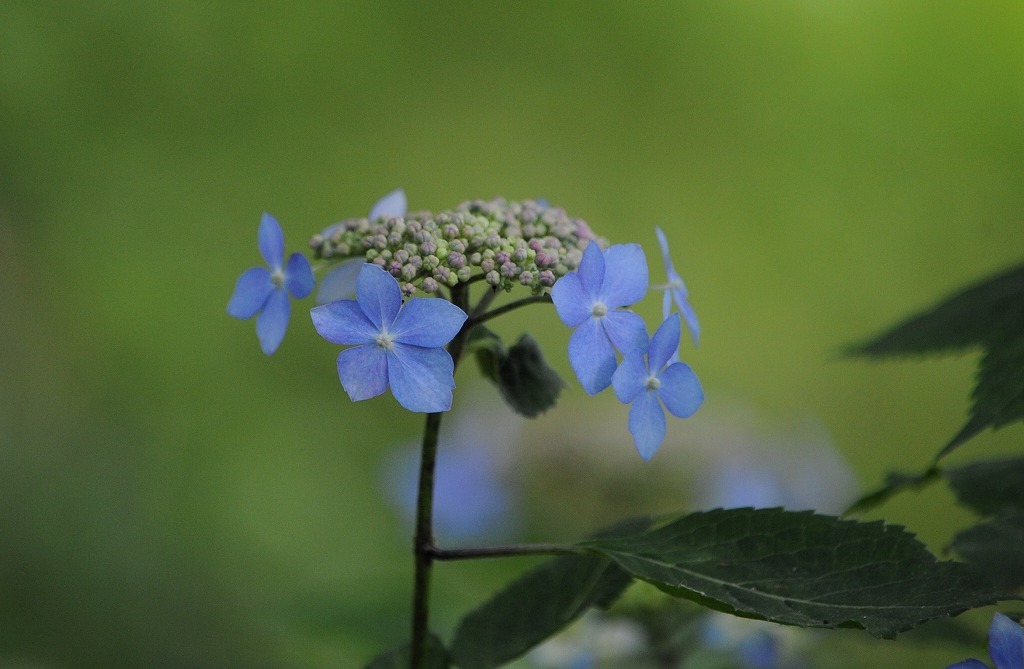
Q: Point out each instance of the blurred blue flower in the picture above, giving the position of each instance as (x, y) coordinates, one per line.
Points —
(1005, 646)
(475, 497)
(265, 291)
(595, 640)
(392, 345)
(675, 291)
(589, 300)
(340, 282)
(645, 382)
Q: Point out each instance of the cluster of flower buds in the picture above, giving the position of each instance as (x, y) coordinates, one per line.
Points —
(504, 243)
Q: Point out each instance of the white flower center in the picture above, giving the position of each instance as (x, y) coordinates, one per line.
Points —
(599, 309)
(385, 341)
(653, 382)
(277, 277)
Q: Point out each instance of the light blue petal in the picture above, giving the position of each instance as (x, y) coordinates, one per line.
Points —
(298, 276)
(665, 343)
(272, 322)
(343, 322)
(379, 295)
(625, 275)
(430, 322)
(1006, 643)
(631, 377)
(680, 390)
(340, 282)
(691, 319)
(571, 300)
(969, 664)
(252, 290)
(421, 378)
(665, 259)
(271, 241)
(592, 356)
(363, 371)
(391, 205)
(759, 650)
(591, 270)
(666, 304)
(627, 331)
(646, 424)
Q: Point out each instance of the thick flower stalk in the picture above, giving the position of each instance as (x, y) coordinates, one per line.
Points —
(503, 243)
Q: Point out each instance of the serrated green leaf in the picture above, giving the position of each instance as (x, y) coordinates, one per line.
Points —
(989, 486)
(489, 351)
(532, 608)
(996, 548)
(960, 321)
(989, 315)
(525, 380)
(800, 568)
(398, 658)
(999, 392)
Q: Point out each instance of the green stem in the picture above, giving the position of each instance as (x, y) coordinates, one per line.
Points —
(424, 549)
(514, 550)
(504, 309)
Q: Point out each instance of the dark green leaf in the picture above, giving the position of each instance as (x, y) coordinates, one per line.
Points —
(989, 315)
(526, 381)
(960, 321)
(534, 607)
(996, 548)
(539, 604)
(398, 658)
(989, 486)
(800, 568)
(895, 482)
(999, 392)
(489, 351)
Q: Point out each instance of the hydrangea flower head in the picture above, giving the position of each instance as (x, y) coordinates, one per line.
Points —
(1005, 646)
(676, 292)
(645, 382)
(589, 300)
(396, 345)
(265, 291)
(504, 243)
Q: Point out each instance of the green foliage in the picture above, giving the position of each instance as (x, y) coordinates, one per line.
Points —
(799, 568)
(523, 377)
(996, 548)
(534, 607)
(989, 315)
(989, 486)
(398, 658)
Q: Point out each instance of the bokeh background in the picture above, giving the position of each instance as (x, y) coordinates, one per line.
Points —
(169, 497)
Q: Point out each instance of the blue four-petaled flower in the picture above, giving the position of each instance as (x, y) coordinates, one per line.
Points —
(1005, 646)
(265, 291)
(394, 345)
(589, 300)
(675, 291)
(645, 382)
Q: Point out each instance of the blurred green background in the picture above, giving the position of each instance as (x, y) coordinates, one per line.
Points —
(169, 497)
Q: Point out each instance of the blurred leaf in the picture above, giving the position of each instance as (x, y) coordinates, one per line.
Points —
(526, 381)
(989, 314)
(895, 483)
(534, 607)
(488, 349)
(800, 568)
(398, 658)
(540, 603)
(996, 548)
(989, 486)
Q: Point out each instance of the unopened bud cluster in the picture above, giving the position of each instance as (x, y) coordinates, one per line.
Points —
(504, 243)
